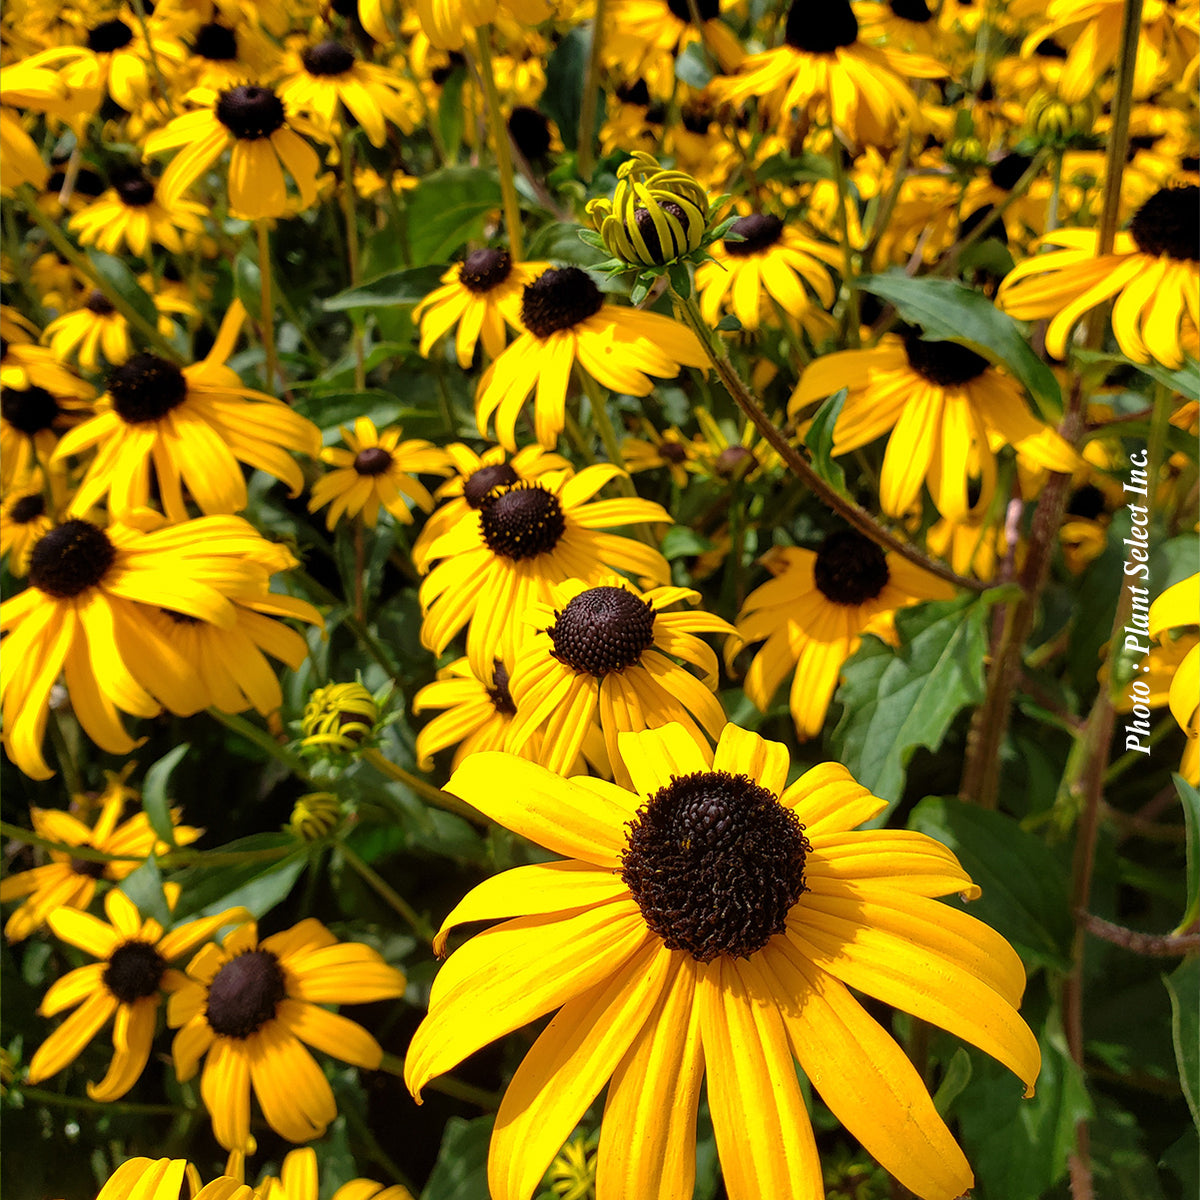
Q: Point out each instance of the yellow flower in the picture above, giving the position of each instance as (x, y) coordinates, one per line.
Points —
(668, 449)
(250, 1006)
(298, 1180)
(340, 716)
(24, 521)
(706, 927)
(164, 1179)
(92, 333)
(1179, 606)
(196, 425)
(69, 881)
(126, 984)
(131, 213)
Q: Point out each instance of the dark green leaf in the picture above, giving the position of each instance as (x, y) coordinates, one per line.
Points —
(681, 279)
(1185, 381)
(563, 97)
(258, 882)
(447, 209)
(682, 542)
(461, 1169)
(396, 287)
(144, 888)
(154, 793)
(692, 67)
(1190, 799)
(122, 280)
(948, 311)
(730, 324)
(1183, 986)
(450, 112)
(819, 441)
(247, 283)
(1024, 893)
(898, 698)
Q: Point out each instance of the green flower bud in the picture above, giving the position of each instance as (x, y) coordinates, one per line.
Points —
(315, 816)
(339, 717)
(1056, 122)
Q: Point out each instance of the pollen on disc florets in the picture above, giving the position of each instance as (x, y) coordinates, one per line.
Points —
(250, 112)
(522, 521)
(216, 42)
(484, 269)
(134, 971)
(487, 479)
(945, 363)
(328, 58)
(715, 863)
(601, 630)
(71, 558)
(109, 36)
(1169, 223)
(146, 388)
(758, 232)
(820, 28)
(850, 568)
(29, 410)
(558, 299)
(244, 994)
(374, 460)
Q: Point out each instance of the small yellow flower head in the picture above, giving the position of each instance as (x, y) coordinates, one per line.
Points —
(1056, 122)
(964, 153)
(654, 216)
(315, 816)
(573, 1172)
(339, 717)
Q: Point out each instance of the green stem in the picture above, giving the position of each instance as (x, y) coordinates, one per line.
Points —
(351, 215)
(883, 214)
(139, 9)
(1055, 192)
(850, 512)
(447, 1085)
(414, 920)
(264, 741)
(365, 637)
(508, 186)
(852, 320)
(128, 1106)
(591, 88)
(604, 427)
(58, 739)
(267, 303)
(427, 792)
(83, 265)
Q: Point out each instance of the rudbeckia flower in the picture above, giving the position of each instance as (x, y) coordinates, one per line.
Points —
(601, 658)
(298, 1180)
(131, 213)
(566, 321)
(668, 449)
(93, 333)
(24, 520)
(1180, 606)
(771, 262)
(446, 23)
(70, 881)
(706, 927)
(943, 404)
(251, 1006)
(376, 472)
(165, 1179)
(1153, 270)
(125, 985)
(477, 717)
(196, 425)
(814, 613)
(229, 51)
(253, 123)
(479, 295)
(528, 537)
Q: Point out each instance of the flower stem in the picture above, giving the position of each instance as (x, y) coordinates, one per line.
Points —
(365, 637)
(447, 1085)
(427, 792)
(851, 316)
(1118, 137)
(266, 303)
(587, 103)
(414, 920)
(351, 215)
(508, 186)
(850, 512)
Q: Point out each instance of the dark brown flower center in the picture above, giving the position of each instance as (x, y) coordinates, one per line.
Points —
(522, 522)
(502, 700)
(912, 10)
(27, 509)
(90, 868)
(250, 112)
(146, 388)
(134, 971)
(634, 93)
(759, 231)
(601, 630)
(100, 304)
(530, 131)
(715, 863)
(486, 479)
(645, 225)
(1169, 223)
(29, 410)
(109, 36)
(1086, 502)
(244, 994)
(732, 461)
(673, 452)
(135, 190)
(707, 9)
(945, 363)
(216, 43)
(374, 460)
(70, 559)
(850, 569)
(558, 299)
(328, 58)
(1006, 173)
(483, 270)
(820, 28)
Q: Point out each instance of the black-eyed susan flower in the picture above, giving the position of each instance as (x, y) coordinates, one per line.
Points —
(265, 143)
(229, 51)
(69, 881)
(526, 538)
(131, 214)
(376, 472)
(602, 658)
(299, 1179)
(480, 296)
(943, 404)
(250, 1006)
(1153, 270)
(24, 520)
(477, 713)
(566, 322)
(447, 23)
(166, 1179)
(89, 611)
(668, 449)
(31, 85)
(477, 474)
(133, 972)
(196, 425)
(1179, 607)
(814, 613)
(772, 261)
(96, 332)
(705, 929)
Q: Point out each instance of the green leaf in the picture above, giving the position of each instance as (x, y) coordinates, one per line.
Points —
(681, 279)
(819, 441)
(563, 98)
(730, 324)
(1183, 986)
(447, 209)
(958, 1075)
(898, 698)
(1024, 893)
(122, 280)
(144, 887)
(258, 883)
(247, 283)
(396, 287)
(450, 112)
(1190, 799)
(154, 793)
(680, 541)
(1186, 380)
(692, 67)
(948, 311)
(592, 238)
(461, 1169)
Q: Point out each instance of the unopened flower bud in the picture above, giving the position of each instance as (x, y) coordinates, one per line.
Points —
(315, 816)
(339, 717)
(1056, 122)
